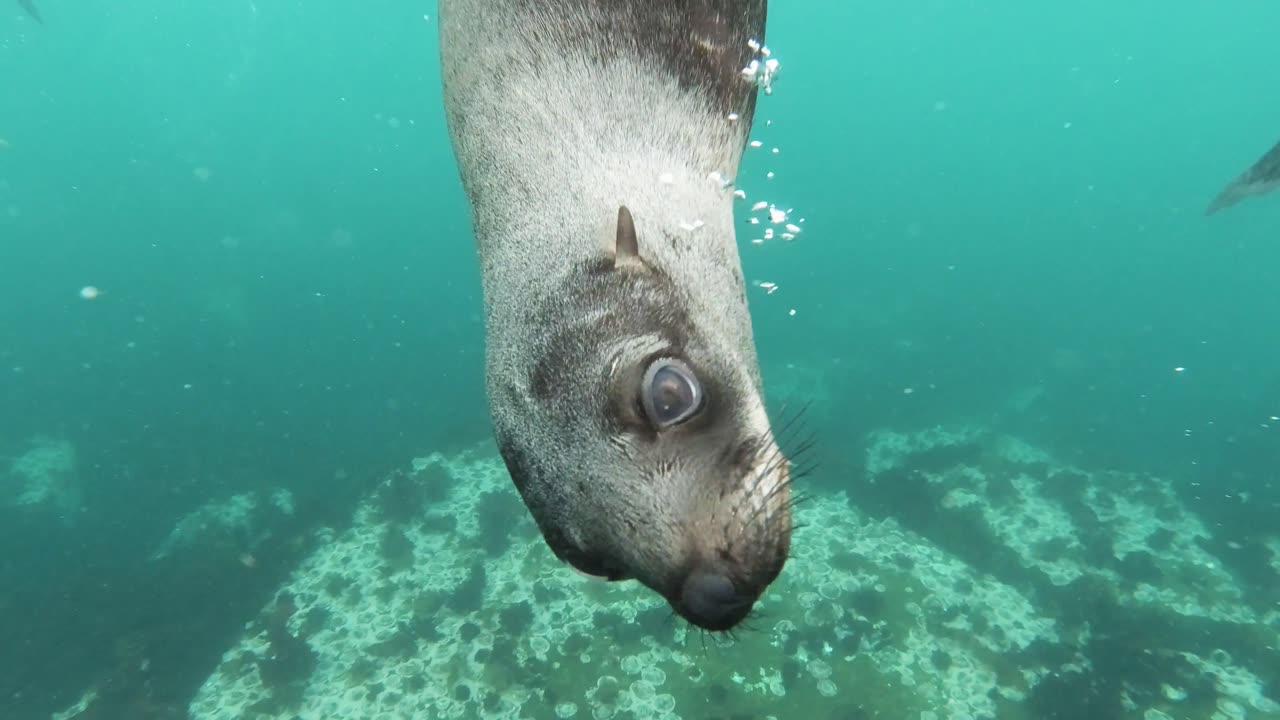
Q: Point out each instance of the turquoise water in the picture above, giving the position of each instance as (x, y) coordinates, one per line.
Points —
(1003, 241)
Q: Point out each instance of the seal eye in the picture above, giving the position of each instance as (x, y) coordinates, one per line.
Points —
(671, 393)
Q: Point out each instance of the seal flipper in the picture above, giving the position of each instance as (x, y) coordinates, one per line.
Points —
(30, 7)
(1261, 178)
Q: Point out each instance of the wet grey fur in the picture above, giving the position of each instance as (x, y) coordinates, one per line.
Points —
(1262, 177)
(561, 113)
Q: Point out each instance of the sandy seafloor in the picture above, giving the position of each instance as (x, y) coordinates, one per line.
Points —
(994, 582)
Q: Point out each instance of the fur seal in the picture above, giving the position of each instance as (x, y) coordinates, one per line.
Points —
(31, 9)
(1262, 177)
(622, 379)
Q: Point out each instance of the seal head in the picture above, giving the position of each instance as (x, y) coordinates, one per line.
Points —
(653, 459)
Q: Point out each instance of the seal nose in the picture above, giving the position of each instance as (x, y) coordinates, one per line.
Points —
(710, 601)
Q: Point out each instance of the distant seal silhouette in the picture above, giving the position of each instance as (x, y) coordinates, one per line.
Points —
(1262, 177)
(593, 139)
(32, 10)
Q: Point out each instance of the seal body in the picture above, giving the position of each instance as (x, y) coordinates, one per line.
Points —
(30, 7)
(594, 139)
(1261, 178)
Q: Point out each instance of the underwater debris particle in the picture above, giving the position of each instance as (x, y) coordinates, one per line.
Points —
(719, 179)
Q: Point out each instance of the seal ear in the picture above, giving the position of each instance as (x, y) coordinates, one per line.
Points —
(627, 248)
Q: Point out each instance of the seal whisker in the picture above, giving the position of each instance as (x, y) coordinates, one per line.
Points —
(774, 460)
(759, 477)
(790, 426)
(796, 500)
(804, 444)
(756, 615)
(769, 442)
(764, 506)
(624, 445)
(804, 471)
(771, 436)
(790, 431)
(787, 423)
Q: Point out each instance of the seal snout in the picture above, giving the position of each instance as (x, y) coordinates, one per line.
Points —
(710, 601)
(739, 544)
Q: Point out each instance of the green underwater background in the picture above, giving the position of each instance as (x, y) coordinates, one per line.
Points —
(245, 458)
